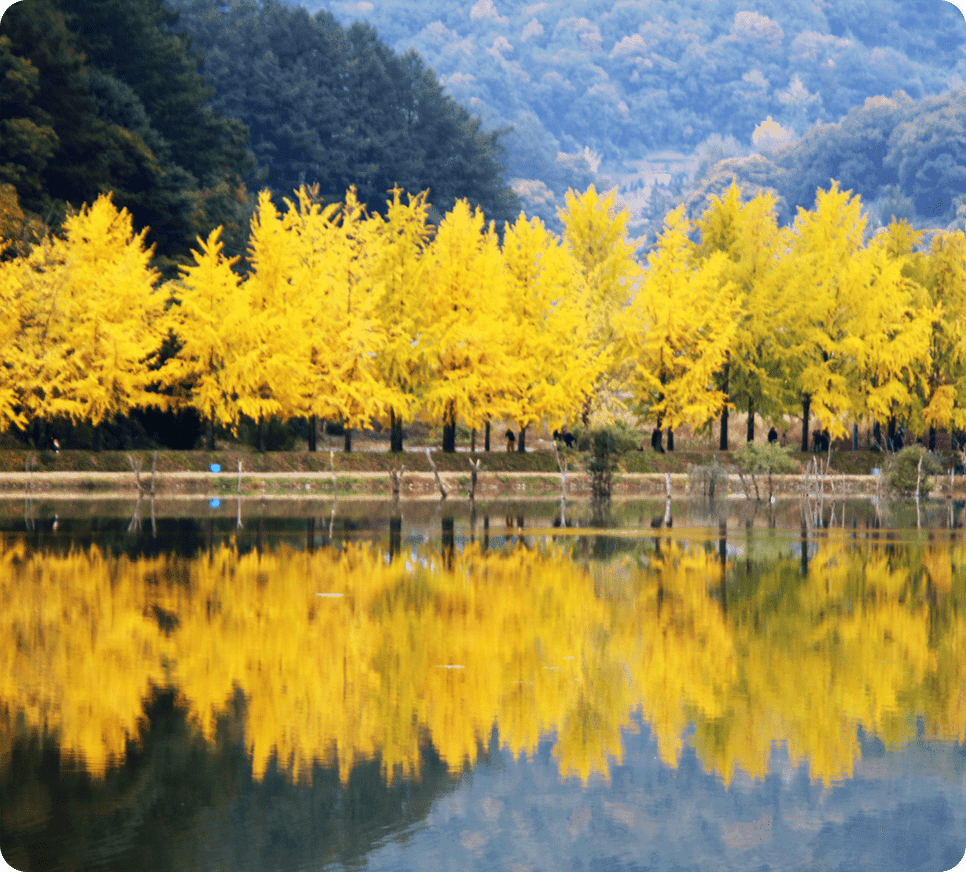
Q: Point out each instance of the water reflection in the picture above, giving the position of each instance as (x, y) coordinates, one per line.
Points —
(373, 651)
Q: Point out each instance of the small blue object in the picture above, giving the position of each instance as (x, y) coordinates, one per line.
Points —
(214, 504)
(215, 467)
(876, 472)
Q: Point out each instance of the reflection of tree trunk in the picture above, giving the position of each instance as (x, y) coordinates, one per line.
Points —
(723, 545)
(751, 421)
(395, 536)
(486, 436)
(310, 535)
(723, 440)
(313, 427)
(449, 540)
(806, 408)
(522, 440)
(486, 532)
(395, 432)
(804, 549)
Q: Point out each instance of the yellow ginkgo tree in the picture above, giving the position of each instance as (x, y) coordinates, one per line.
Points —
(90, 321)
(337, 248)
(271, 344)
(822, 294)
(891, 329)
(942, 274)
(676, 333)
(402, 239)
(462, 341)
(551, 363)
(210, 311)
(754, 371)
(595, 233)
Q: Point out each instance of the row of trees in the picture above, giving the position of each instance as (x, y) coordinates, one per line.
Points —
(351, 316)
(343, 315)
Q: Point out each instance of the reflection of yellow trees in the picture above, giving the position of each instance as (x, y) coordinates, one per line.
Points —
(348, 656)
(80, 651)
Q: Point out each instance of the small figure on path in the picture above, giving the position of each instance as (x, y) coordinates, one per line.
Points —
(511, 440)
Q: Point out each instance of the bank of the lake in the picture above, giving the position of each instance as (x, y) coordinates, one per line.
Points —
(499, 474)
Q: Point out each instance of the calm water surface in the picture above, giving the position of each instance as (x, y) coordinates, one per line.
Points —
(319, 686)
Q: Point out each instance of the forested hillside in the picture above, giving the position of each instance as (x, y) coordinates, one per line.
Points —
(182, 111)
(81, 114)
(651, 89)
(906, 158)
(337, 107)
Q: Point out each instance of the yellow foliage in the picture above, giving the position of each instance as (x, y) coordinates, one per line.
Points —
(677, 332)
(85, 321)
(348, 656)
(550, 360)
(207, 318)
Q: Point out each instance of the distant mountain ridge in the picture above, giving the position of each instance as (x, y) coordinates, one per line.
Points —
(638, 91)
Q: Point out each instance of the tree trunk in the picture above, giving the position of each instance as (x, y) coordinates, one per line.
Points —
(670, 439)
(260, 434)
(751, 421)
(395, 432)
(347, 440)
(449, 432)
(313, 427)
(486, 436)
(522, 440)
(892, 433)
(40, 434)
(932, 438)
(473, 441)
(806, 408)
(723, 440)
(876, 436)
(210, 431)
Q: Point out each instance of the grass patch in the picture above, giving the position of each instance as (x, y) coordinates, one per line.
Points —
(501, 462)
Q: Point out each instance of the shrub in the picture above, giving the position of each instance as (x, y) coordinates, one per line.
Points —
(905, 471)
(606, 445)
(770, 459)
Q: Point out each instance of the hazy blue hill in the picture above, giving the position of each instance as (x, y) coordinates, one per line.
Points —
(652, 87)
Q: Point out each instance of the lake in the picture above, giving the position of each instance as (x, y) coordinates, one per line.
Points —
(318, 685)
